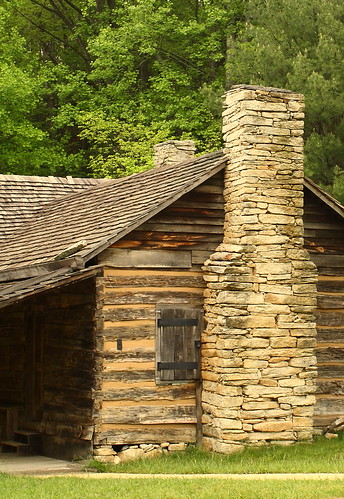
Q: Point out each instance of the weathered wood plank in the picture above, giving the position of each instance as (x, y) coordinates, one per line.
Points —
(330, 301)
(130, 434)
(322, 422)
(158, 392)
(133, 356)
(170, 244)
(150, 415)
(328, 260)
(334, 285)
(326, 318)
(129, 314)
(334, 335)
(133, 375)
(162, 297)
(330, 354)
(326, 405)
(158, 281)
(330, 386)
(164, 227)
(182, 216)
(129, 331)
(145, 258)
(331, 370)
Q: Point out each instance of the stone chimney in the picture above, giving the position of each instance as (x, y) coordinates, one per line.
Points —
(173, 151)
(259, 363)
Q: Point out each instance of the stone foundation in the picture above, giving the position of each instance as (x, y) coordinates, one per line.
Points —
(259, 363)
(107, 454)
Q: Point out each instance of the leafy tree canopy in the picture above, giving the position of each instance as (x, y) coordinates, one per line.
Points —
(299, 46)
(101, 81)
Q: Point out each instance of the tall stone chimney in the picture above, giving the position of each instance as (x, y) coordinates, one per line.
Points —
(259, 363)
(173, 151)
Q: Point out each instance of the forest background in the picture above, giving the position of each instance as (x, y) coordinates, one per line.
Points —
(87, 87)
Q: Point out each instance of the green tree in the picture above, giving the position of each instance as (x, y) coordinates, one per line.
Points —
(299, 45)
(112, 78)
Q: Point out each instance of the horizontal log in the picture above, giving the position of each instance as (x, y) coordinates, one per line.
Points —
(162, 297)
(328, 260)
(331, 272)
(322, 225)
(145, 258)
(134, 375)
(165, 392)
(330, 386)
(336, 285)
(164, 227)
(146, 434)
(322, 422)
(331, 335)
(156, 280)
(330, 301)
(130, 331)
(329, 405)
(325, 318)
(153, 244)
(331, 370)
(150, 415)
(129, 313)
(191, 216)
(133, 356)
(330, 354)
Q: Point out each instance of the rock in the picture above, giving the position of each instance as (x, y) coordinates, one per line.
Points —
(273, 426)
(130, 454)
(331, 435)
(336, 426)
(176, 447)
(154, 453)
(104, 451)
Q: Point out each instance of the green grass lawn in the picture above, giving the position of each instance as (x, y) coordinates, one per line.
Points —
(322, 456)
(79, 488)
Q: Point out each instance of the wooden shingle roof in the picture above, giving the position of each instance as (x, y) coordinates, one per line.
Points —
(22, 196)
(101, 215)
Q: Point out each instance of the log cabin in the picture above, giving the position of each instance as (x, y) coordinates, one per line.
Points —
(198, 302)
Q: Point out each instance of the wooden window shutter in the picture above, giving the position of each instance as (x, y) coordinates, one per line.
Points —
(178, 343)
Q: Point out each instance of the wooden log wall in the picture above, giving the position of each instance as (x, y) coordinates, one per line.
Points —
(64, 377)
(69, 369)
(12, 355)
(324, 239)
(159, 263)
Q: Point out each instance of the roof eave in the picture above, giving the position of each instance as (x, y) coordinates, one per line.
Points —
(106, 243)
(324, 196)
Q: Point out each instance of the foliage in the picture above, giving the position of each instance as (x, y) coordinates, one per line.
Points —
(103, 81)
(299, 45)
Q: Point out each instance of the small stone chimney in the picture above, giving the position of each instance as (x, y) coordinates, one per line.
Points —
(259, 363)
(173, 151)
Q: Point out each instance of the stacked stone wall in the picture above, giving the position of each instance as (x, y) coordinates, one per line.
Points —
(173, 152)
(259, 363)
